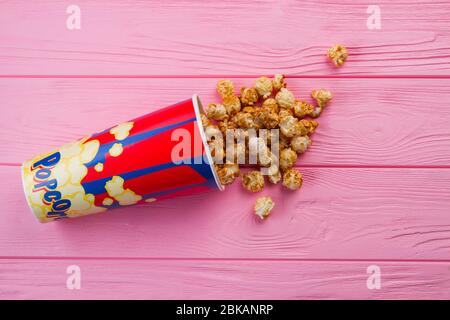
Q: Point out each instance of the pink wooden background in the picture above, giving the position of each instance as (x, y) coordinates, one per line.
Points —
(376, 181)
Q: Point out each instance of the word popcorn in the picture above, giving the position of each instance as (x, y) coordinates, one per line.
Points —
(264, 125)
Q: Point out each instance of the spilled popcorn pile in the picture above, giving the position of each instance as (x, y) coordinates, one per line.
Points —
(267, 105)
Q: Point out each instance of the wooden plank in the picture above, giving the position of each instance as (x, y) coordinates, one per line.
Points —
(371, 122)
(233, 37)
(338, 214)
(221, 279)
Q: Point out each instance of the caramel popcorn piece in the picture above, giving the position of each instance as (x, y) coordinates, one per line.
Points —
(263, 206)
(289, 126)
(244, 120)
(232, 104)
(270, 105)
(337, 54)
(253, 181)
(249, 96)
(307, 126)
(303, 109)
(216, 111)
(228, 173)
(285, 98)
(264, 86)
(278, 82)
(225, 88)
(266, 119)
(300, 143)
(292, 179)
(275, 177)
(322, 97)
(288, 157)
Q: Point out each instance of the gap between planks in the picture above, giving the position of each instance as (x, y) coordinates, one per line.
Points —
(433, 261)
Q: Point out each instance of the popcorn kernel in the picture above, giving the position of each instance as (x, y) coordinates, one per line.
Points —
(285, 98)
(300, 143)
(278, 82)
(322, 97)
(288, 157)
(225, 88)
(292, 179)
(337, 54)
(264, 86)
(253, 181)
(216, 111)
(249, 96)
(263, 207)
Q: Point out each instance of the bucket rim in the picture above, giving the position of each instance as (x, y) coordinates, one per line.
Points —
(198, 112)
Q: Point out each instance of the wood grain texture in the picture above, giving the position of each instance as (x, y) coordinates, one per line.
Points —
(371, 122)
(230, 37)
(338, 214)
(187, 279)
(376, 181)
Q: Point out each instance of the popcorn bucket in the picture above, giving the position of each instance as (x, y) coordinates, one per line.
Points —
(161, 155)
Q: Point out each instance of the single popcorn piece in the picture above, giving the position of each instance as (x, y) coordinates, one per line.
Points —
(266, 119)
(232, 104)
(303, 109)
(249, 96)
(288, 157)
(244, 120)
(307, 126)
(275, 178)
(292, 179)
(225, 88)
(289, 126)
(227, 173)
(300, 143)
(322, 97)
(264, 86)
(253, 181)
(285, 98)
(278, 82)
(216, 111)
(337, 54)
(263, 207)
(270, 105)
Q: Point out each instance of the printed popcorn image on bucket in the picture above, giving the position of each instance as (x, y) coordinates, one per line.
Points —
(132, 163)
